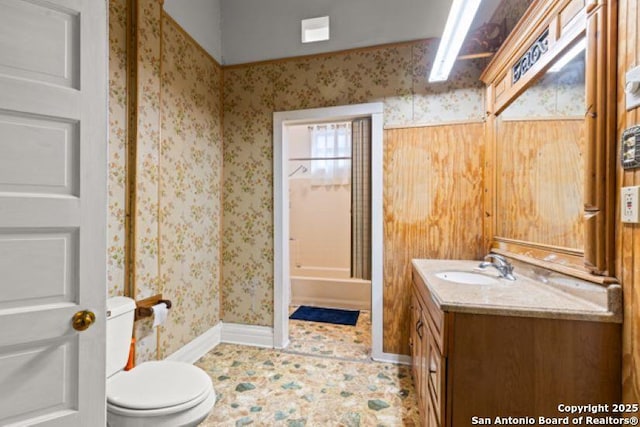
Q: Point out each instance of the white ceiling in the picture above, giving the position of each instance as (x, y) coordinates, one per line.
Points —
(239, 31)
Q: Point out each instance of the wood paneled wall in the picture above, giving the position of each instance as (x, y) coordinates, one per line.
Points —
(539, 195)
(628, 238)
(432, 209)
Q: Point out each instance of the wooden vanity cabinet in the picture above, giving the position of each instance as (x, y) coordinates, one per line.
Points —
(428, 345)
(485, 365)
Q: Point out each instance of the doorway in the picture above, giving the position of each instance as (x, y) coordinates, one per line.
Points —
(282, 253)
(329, 238)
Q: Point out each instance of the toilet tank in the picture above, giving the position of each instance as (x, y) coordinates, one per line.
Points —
(120, 311)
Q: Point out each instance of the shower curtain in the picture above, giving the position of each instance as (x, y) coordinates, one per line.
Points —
(361, 198)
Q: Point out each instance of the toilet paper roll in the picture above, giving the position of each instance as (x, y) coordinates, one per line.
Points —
(160, 312)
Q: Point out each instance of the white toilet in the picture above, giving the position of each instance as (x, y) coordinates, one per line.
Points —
(155, 394)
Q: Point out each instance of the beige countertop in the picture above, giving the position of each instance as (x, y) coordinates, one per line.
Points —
(553, 296)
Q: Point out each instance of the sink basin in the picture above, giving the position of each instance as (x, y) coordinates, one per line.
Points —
(467, 278)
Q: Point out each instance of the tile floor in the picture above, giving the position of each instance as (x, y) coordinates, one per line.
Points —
(324, 378)
(326, 339)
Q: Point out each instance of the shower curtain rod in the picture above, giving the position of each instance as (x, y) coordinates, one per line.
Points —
(299, 159)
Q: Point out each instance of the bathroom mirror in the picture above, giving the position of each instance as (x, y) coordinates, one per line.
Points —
(539, 158)
(549, 165)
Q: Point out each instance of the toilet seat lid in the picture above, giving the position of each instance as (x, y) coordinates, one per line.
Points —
(155, 385)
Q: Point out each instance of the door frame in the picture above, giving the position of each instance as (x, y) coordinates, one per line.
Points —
(281, 294)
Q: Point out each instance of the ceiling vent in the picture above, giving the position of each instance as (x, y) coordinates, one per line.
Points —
(315, 29)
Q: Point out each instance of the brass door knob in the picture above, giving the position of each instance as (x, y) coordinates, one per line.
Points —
(82, 320)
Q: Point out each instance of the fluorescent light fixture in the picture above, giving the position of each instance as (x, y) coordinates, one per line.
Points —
(455, 30)
(568, 57)
(315, 29)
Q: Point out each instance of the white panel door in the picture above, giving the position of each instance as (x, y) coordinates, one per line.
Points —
(53, 170)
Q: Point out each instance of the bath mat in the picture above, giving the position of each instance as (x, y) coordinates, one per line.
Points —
(326, 315)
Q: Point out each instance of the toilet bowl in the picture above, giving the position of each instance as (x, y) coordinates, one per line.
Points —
(158, 393)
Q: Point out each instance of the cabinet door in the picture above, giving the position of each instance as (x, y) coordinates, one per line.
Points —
(423, 333)
(417, 345)
(434, 369)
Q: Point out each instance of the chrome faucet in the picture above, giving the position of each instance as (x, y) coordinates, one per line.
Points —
(500, 263)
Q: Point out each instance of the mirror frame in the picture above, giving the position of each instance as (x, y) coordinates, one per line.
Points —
(565, 21)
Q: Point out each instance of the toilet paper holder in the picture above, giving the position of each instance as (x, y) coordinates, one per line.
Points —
(143, 307)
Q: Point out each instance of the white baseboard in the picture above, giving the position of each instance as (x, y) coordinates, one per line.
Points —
(257, 336)
(401, 359)
(231, 333)
(200, 346)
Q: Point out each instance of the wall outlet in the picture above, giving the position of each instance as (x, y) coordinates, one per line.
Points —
(629, 199)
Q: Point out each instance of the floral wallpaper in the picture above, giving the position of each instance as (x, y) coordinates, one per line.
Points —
(395, 75)
(190, 188)
(147, 157)
(186, 240)
(178, 182)
(117, 146)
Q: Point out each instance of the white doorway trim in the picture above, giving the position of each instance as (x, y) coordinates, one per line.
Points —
(281, 296)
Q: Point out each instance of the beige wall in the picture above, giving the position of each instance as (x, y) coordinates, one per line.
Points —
(190, 188)
(117, 147)
(145, 213)
(395, 75)
(319, 217)
(299, 147)
(178, 176)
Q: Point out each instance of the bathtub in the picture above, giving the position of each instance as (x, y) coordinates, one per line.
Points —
(352, 294)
